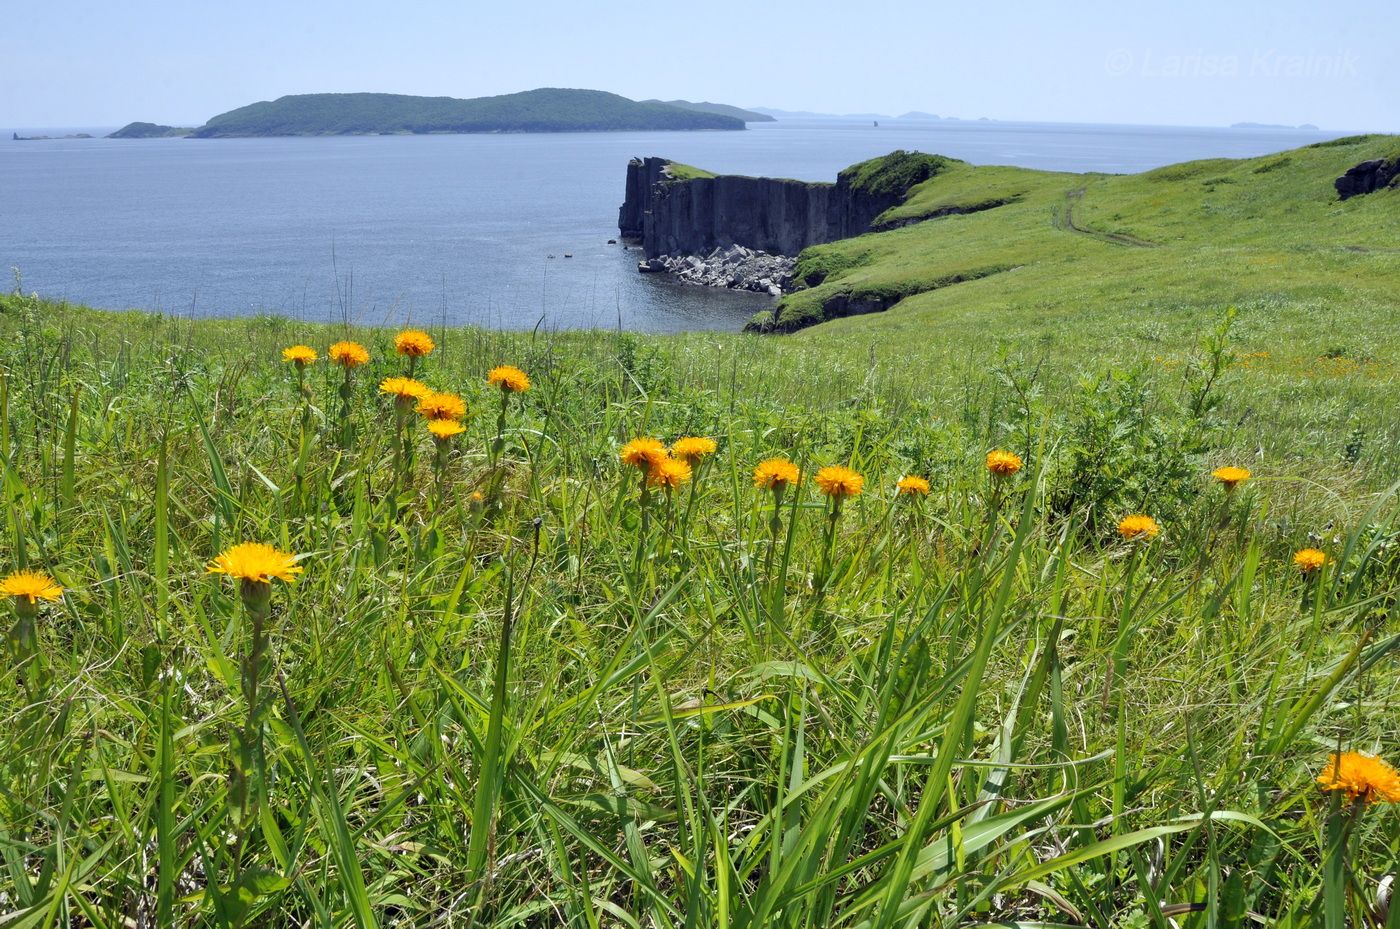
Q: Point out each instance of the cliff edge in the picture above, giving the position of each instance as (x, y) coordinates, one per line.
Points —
(676, 210)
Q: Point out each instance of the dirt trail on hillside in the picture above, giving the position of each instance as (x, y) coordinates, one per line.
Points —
(1065, 220)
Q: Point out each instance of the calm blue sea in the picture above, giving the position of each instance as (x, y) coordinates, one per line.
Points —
(452, 228)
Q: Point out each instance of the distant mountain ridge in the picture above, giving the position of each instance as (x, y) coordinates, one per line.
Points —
(912, 115)
(1306, 127)
(724, 109)
(808, 114)
(547, 109)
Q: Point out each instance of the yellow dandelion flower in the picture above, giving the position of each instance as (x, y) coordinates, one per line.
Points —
(775, 474)
(299, 355)
(1003, 463)
(255, 562)
(692, 449)
(349, 354)
(444, 429)
(30, 586)
(1309, 560)
(1138, 526)
(441, 405)
(403, 388)
(1231, 476)
(415, 343)
(643, 453)
(668, 472)
(913, 486)
(1361, 777)
(839, 481)
(509, 378)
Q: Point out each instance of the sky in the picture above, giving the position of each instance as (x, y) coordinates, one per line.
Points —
(75, 63)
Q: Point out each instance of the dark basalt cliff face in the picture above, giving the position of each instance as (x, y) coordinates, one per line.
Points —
(684, 215)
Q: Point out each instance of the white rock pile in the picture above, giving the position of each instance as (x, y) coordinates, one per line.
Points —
(735, 267)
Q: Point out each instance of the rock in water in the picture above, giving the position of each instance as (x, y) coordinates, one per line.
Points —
(735, 267)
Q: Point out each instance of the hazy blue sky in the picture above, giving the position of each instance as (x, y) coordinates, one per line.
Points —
(1195, 62)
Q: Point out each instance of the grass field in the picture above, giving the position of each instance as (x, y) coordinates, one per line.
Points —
(979, 705)
(511, 686)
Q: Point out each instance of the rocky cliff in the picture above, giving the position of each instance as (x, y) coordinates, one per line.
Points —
(1368, 177)
(685, 212)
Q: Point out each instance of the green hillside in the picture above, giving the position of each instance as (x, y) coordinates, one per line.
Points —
(543, 110)
(982, 240)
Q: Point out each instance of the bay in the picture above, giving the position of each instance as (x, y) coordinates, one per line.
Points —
(454, 229)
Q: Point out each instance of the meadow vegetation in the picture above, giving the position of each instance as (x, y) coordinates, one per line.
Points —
(958, 621)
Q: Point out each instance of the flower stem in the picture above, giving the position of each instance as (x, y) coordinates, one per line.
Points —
(347, 388)
(247, 771)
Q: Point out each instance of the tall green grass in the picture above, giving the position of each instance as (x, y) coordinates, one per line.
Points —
(981, 707)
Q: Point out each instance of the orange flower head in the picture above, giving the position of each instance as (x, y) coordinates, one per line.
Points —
(349, 354)
(839, 482)
(1230, 476)
(255, 563)
(912, 486)
(775, 474)
(30, 586)
(403, 388)
(415, 343)
(441, 405)
(299, 355)
(693, 449)
(669, 473)
(1309, 560)
(642, 453)
(1360, 777)
(1003, 463)
(444, 429)
(1138, 527)
(509, 378)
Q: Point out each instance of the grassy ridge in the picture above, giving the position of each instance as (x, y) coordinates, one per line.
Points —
(983, 705)
(1255, 229)
(544, 110)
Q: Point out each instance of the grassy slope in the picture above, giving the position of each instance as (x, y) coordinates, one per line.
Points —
(1260, 229)
(684, 172)
(545, 109)
(1316, 282)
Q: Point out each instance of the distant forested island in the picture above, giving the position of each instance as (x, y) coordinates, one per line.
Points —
(45, 138)
(723, 109)
(149, 131)
(544, 110)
